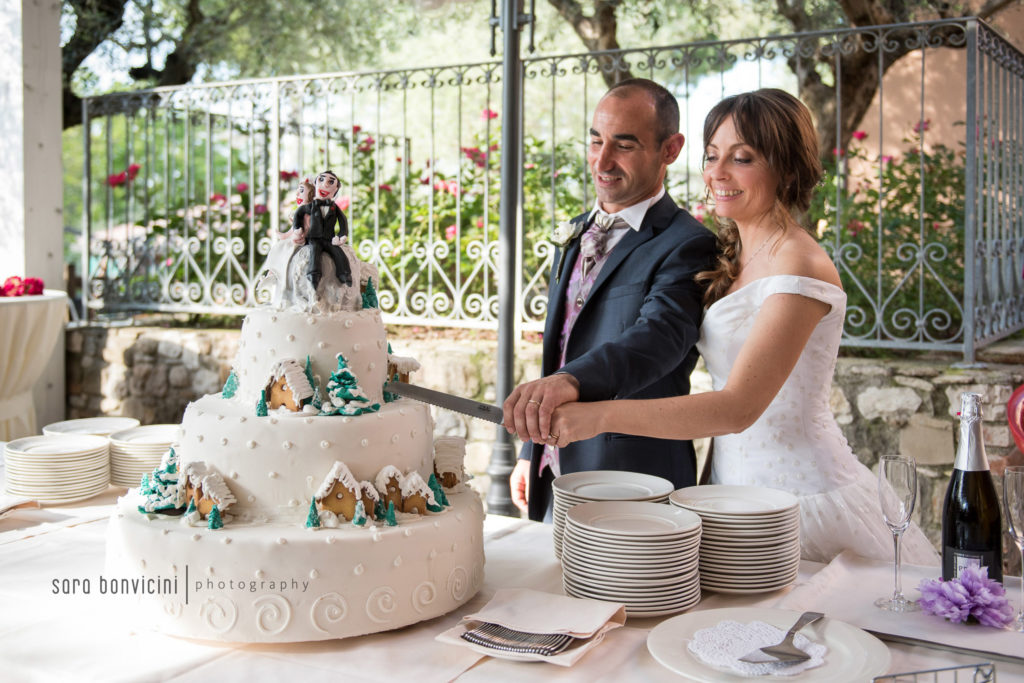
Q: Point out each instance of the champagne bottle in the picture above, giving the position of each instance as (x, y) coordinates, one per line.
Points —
(971, 529)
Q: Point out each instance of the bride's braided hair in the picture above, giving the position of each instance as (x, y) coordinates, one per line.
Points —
(779, 127)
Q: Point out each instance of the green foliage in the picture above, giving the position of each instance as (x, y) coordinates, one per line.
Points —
(438, 490)
(359, 516)
(895, 226)
(389, 516)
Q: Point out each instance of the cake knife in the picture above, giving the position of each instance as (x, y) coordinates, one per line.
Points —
(466, 406)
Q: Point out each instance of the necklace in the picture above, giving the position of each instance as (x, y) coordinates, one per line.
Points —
(760, 248)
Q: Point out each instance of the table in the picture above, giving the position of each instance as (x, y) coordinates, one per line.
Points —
(59, 637)
(29, 328)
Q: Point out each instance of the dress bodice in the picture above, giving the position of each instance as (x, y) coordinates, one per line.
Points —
(796, 444)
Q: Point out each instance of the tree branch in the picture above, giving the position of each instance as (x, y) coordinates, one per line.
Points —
(96, 20)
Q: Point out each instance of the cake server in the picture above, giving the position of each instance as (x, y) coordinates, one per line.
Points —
(466, 406)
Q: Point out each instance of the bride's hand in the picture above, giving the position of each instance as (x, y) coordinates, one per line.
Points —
(574, 422)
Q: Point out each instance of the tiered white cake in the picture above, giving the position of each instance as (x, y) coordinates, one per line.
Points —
(270, 574)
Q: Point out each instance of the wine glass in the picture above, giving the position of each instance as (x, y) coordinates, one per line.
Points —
(897, 492)
(1013, 503)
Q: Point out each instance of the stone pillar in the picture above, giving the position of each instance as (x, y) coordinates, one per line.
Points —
(31, 176)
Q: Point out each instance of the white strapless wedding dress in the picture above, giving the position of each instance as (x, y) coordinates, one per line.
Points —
(796, 445)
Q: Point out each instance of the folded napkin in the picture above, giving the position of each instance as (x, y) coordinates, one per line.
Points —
(11, 503)
(723, 644)
(530, 625)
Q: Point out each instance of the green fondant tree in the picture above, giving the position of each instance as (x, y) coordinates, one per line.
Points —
(213, 519)
(370, 295)
(161, 486)
(191, 507)
(389, 516)
(344, 392)
(313, 518)
(312, 383)
(378, 509)
(359, 516)
(261, 405)
(438, 491)
(230, 386)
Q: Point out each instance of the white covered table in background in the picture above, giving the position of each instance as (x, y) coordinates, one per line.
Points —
(58, 637)
(29, 327)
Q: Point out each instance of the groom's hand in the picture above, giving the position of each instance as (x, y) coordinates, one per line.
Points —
(529, 407)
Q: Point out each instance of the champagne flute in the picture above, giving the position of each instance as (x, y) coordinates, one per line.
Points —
(1013, 503)
(897, 492)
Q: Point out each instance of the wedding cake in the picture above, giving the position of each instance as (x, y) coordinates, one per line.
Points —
(303, 502)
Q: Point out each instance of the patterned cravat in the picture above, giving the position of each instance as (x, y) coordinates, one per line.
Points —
(593, 241)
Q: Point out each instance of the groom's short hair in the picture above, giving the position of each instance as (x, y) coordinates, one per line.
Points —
(666, 108)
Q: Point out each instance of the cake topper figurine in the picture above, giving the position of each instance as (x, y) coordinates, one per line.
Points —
(326, 222)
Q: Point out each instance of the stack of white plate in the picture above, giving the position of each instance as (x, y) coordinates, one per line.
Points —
(585, 487)
(751, 536)
(57, 469)
(137, 451)
(100, 426)
(643, 555)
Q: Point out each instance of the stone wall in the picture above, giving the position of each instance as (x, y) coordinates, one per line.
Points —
(883, 406)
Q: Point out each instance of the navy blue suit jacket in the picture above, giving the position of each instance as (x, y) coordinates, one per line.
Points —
(635, 337)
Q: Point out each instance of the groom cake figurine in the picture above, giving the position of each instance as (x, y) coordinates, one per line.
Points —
(326, 223)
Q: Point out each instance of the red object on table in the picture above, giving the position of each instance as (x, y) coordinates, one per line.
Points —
(1015, 416)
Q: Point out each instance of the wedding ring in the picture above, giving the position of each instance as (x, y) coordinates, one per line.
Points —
(533, 401)
(553, 436)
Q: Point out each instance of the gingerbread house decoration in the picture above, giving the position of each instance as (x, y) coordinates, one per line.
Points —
(389, 485)
(288, 386)
(416, 494)
(205, 488)
(449, 455)
(370, 496)
(339, 492)
(402, 366)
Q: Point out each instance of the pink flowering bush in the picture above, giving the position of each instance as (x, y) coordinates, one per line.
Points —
(973, 598)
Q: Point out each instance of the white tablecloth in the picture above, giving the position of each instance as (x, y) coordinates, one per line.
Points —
(29, 326)
(59, 637)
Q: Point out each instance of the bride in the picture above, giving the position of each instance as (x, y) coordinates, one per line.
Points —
(770, 336)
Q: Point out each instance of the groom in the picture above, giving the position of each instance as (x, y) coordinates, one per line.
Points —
(623, 308)
(327, 223)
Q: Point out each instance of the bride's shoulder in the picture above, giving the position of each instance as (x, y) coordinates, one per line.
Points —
(801, 255)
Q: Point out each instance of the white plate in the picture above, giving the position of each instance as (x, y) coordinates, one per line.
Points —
(629, 519)
(149, 435)
(853, 655)
(612, 485)
(57, 445)
(99, 426)
(734, 500)
(660, 543)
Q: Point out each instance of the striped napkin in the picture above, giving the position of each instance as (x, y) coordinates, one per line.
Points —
(529, 625)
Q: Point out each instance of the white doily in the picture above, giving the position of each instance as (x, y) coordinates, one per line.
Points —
(723, 644)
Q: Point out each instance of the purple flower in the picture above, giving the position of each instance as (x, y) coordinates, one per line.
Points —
(972, 595)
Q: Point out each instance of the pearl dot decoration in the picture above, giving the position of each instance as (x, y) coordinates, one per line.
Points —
(250, 443)
(273, 318)
(226, 540)
(242, 418)
(398, 561)
(357, 347)
(290, 337)
(331, 540)
(259, 335)
(287, 445)
(364, 443)
(321, 345)
(223, 441)
(165, 531)
(251, 499)
(357, 570)
(272, 475)
(259, 574)
(233, 474)
(371, 366)
(394, 438)
(196, 537)
(199, 438)
(313, 574)
(209, 571)
(325, 444)
(282, 540)
(273, 420)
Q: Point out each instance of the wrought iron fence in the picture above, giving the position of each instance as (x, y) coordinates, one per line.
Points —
(185, 189)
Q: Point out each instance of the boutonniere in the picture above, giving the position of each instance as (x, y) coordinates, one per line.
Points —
(565, 232)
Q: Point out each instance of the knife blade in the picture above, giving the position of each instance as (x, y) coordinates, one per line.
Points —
(466, 406)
